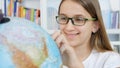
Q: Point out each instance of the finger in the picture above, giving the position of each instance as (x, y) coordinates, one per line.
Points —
(63, 44)
(62, 49)
(64, 40)
(66, 45)
(59, 41)
(55, 35)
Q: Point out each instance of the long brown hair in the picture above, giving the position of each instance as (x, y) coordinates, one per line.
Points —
(99, 40)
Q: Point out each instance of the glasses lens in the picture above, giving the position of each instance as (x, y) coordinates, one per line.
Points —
(79, 21)
(62, 19)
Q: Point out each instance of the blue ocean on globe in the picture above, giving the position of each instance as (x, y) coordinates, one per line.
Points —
(24, 44)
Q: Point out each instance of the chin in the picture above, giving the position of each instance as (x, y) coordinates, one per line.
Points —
(73, 43)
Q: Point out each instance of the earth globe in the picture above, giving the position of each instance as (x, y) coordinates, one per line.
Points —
(24, 44)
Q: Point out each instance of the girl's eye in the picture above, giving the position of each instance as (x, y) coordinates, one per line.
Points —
(63, 18)
(78, 19)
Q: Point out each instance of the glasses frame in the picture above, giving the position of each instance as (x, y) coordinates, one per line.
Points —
(68, 18)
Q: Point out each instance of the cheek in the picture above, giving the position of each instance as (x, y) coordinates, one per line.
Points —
(88, 27)
(86, 31)
(85, 28)
(62, 27)
(85, 34)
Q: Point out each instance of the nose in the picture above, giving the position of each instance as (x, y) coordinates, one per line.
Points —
(72, 22)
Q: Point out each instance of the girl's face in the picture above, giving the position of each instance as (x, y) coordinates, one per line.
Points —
(76, 35)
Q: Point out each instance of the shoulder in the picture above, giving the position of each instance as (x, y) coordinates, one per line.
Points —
(108, 59)
(111, 58)
(110, 54)
(106, 54)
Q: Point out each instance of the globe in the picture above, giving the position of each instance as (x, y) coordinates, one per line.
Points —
(24, 44)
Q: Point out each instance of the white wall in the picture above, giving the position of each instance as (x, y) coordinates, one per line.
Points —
(115, 5)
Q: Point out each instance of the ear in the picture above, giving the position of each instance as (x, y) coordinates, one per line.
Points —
(95, 26)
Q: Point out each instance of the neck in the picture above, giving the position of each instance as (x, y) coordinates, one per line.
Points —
(83, 51)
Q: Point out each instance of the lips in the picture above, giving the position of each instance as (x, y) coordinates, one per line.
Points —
(72, 35)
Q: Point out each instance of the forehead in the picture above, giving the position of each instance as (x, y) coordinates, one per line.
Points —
(71, 8)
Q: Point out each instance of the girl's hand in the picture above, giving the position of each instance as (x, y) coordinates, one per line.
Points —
(67, 52)
(62, 42)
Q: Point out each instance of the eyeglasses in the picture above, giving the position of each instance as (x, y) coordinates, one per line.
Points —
(77, 20)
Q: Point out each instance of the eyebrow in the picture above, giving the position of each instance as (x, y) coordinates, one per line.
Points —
(63, 14)
(80, 15)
